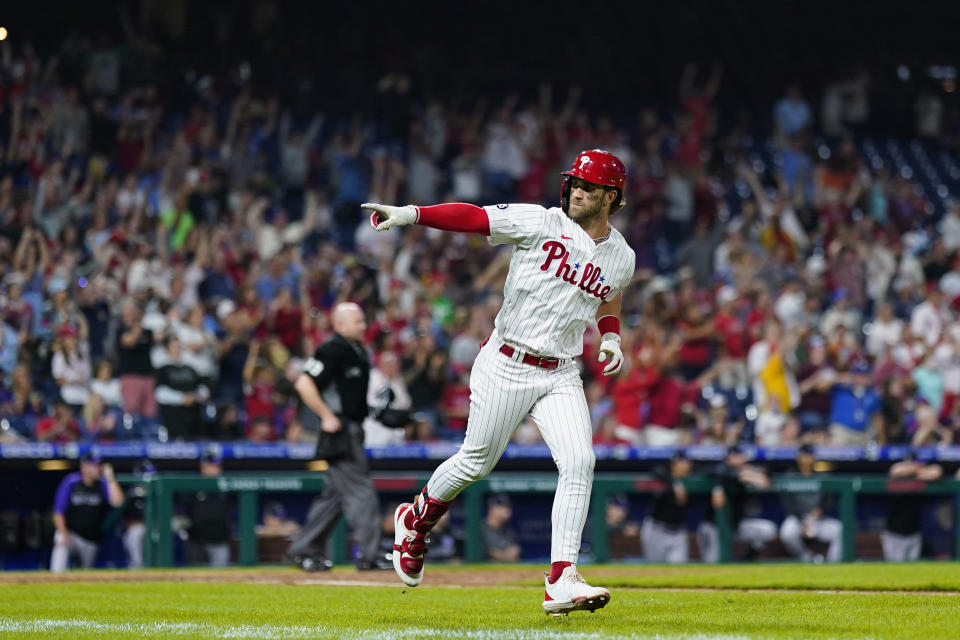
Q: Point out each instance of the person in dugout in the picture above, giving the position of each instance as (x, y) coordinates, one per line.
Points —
(80, 508)
(732, 479)
(209, 515)
(664, 531)
(134, 518)
(901, 538)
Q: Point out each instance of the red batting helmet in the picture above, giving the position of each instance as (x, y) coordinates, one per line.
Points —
(599, 167)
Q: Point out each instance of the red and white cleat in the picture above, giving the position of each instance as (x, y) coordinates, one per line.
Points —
(572, 593)
(409, 546)
(412, 523)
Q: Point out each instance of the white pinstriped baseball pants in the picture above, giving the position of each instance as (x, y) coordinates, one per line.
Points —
(502, 392)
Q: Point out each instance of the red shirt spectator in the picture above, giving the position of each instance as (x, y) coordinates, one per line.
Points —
(664, 398)
(455, 405)
(628, 396)
(58, 428)
(732, 332)
(258, 400)
(696, 348)
(286, 319)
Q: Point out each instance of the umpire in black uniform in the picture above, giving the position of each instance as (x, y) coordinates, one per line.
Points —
(334, 386)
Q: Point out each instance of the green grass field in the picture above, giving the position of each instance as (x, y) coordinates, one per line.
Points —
(876, 601)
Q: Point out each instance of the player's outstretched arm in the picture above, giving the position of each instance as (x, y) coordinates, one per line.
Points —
(455, 216)
(608, 322)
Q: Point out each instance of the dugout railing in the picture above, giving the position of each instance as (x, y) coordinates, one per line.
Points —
(162, 488)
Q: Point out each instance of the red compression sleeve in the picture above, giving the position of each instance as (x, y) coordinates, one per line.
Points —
(609, 324)
(456, 216)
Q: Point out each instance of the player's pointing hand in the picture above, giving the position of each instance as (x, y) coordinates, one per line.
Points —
(385, 216)
(610, 348)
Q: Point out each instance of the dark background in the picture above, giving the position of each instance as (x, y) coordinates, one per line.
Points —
(624, 54)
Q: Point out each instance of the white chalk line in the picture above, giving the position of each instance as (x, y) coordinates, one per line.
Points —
(753, 590)
(278, 632)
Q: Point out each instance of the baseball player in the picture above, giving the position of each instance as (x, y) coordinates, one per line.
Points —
(901, 538)
(732, 477)
(807, 519)
(82, 502)
(664, 531)
(568, 269)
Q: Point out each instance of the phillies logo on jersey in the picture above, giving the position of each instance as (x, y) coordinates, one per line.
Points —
(590, 279)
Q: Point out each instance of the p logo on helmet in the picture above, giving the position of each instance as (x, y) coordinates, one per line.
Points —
(599, 167)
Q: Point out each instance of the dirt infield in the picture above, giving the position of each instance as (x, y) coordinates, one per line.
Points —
(291, 576)
(445, 576)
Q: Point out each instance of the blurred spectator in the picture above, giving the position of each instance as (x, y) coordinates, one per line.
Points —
(60, 427)
(816, 378)
(774, 427)
(770, 363)
(135, 369)
(228, 425)
(9, 348)
(928, 431)
(261, 398)
(901, 537)
(499, 541)
(696, 330)
(385, 378)
(179, 392)
(729, 326)
(841, 313)
(897, 403)
(719, 427)
(855, 417)
(232, 351)
(99, 421)
(697, 252)
(929, 318)
(80, 509)
(792, 114)
(678, 193)
(24, 400)
(455, 403)
(886, 331)
(425, 374)
(71, 369)
(198, 343)
(106, 386)
(807, 520)
(928, 378)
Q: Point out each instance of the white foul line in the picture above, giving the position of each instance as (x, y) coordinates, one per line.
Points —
(278, 632)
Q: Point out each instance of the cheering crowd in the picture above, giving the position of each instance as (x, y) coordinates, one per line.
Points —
(168, 264)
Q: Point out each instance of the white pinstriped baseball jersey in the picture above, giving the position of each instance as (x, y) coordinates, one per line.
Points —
(558, 277)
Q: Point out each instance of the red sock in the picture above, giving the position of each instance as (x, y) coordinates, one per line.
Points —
(556, 569)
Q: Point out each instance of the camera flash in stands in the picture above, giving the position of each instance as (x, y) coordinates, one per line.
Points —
(3, 33)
